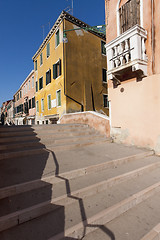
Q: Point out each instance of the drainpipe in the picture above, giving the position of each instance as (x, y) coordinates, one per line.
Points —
(64, 52)
(153, 37)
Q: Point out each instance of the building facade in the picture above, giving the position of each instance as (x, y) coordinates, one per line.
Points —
(70, 77)
(24, 99)
(10, 113)
(134, 71)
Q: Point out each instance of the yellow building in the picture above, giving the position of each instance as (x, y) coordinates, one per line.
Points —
(70, 77)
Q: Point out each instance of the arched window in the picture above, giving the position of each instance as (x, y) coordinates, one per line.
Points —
(129, 14)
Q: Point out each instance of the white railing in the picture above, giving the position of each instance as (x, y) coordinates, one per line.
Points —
(127, 50)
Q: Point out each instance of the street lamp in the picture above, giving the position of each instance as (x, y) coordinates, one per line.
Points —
(98, 29)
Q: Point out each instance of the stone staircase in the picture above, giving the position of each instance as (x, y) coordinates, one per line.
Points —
(69, 182)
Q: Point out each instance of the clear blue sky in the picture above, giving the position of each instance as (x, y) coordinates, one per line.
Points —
(21, 34)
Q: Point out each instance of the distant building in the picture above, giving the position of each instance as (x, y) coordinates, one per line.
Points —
(10, 113)
(24, 99)
(70, 77)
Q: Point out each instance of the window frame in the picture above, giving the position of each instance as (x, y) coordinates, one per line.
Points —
(42, 104)
(59, 90)
(103, 52)
(104, 74)
(41, 59)
(105, 94)
(37, 106)
(48, 50)
(57, 69)
(57, 36)
(49, 95)
(35, 65)
(49, 71)
(40, 83)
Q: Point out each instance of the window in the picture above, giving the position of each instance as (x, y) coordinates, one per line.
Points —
(17, 96)
(29, 85)
(103, 49)
(104, 75)
(57, 69)
(105, 101)
(48, 77)
(129, 15)
(33, 102)
(49, 102)
(26, 87)
(33, 82)
(24, 90)
(58, 98)
(37, 106)
(48, 50)
(40, 83)
(30, 106)
(20, 94)
(57, 38)
(42, 104)
(35, 65)
(36, 86)
(41, 59)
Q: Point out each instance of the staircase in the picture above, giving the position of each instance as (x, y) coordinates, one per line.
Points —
(70, 182)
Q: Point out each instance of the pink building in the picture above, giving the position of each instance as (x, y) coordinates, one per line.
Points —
(25, 102)
(133, 71)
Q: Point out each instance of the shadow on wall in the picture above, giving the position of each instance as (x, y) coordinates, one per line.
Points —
(29, 168)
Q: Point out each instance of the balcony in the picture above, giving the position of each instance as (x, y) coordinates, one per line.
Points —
(126, 55)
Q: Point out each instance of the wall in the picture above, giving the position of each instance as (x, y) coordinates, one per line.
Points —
(84, 63)
(95, 120)
(135, 112)
(56, 53)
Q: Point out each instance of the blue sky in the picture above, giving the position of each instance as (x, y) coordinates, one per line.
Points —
(21, 34)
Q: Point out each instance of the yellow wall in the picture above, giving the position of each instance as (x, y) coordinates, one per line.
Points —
(56, 53)
(84, 63)
(81, 68)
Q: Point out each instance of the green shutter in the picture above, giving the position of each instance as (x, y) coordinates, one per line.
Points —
(59, 98)
(57, 38)
(54, 71)
(59, 67)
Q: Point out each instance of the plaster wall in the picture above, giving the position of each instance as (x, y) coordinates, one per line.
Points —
(135, 112)
(94, 120)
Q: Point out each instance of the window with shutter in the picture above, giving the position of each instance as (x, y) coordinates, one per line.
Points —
(41, 59)
(57, 38)
(48, 50)
(103, 49)
(105, 101)
(40, 83)
(49, 102)
(57, 69)
(58, 98)
(104, 75)
(35, 65)
(129, 15)
(48, 77)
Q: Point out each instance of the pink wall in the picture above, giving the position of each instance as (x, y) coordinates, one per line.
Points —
(95, 120)
(135, 114)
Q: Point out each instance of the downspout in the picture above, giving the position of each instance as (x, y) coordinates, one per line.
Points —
(153, 37)
(64, 69)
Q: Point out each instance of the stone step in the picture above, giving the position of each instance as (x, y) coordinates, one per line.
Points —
(83, 213)
(45, 163)
(48, 142)
(139, 223)
(51, 192)
(44, 135)
(153, 234)
(135, 161)
(40, 148)
(18, 129)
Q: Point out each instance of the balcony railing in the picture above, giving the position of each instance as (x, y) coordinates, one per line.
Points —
(127, 51)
